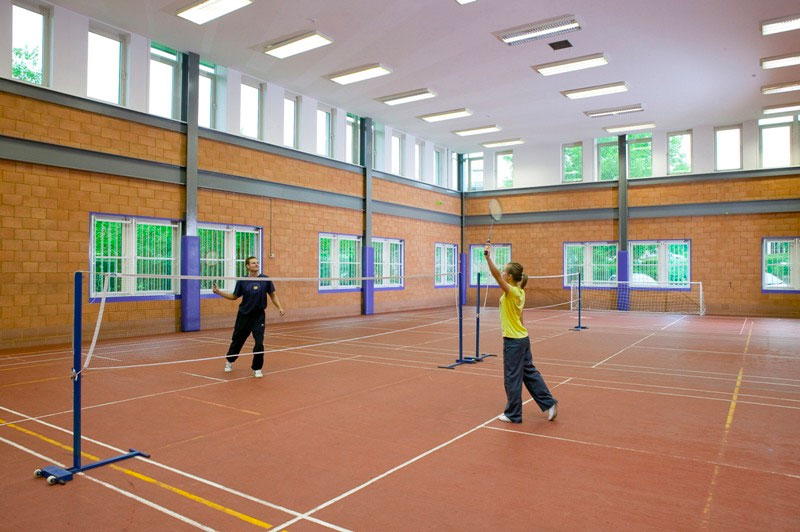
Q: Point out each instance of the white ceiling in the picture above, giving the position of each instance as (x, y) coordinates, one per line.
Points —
(689, 62)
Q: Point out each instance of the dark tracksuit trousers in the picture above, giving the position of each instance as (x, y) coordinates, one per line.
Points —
(518, 369)
(246, 324)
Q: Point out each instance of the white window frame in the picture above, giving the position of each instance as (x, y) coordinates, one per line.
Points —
(232, 260)
(45, 52)
(446, 270)
(210, 72)
(337, 284)
(716, 146)
(398, 155)
(588, 263)
(419, 160)
(160, 56)
(329, 119)
(122, 39)
(791, 124)
(253, 84)
(628, 142)
(477, 262)
(352, 139)
(126, 285)
(563, 169)
(387, 267)
(294, 118)
(467, 169)
(793, 265)
(691, 150)
(439, 173)
(662, 264)
(497, 157)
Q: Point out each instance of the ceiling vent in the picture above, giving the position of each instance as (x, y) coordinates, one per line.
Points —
(560, 45)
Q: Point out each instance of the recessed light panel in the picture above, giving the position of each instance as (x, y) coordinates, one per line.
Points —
(297, 45)
(780, 61)
(407, 97)
(635, 108)
(476, 131)
(570, 65)
(503, 143)
(783, 108)
(597, 90)
(207, 10)
(781, 87)
(446, 115)
(359, 74)
(630, 127)
(538, 30)
(779, 25)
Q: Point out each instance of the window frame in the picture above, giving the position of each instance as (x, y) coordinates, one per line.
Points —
(257, 85)
(295, 99)
(353, 123)
(212, 77)
(615, 144)
(588, 263)
(329, 119)
(129, 258)
(716, 147)
(401, 152)
(662, 266)
(563, 153)
(792, 125)
(176, 67)
(444, 269)
(497, 156)
(233, 265)
(468, 170)
(335, 286)
(794, 265)
(122, 39)
(386, 244)
(47, 20)
(490, 281)
(628, 147)
(419, 159)
(691, 150)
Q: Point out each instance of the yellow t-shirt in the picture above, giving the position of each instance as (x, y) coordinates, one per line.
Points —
(511, 305)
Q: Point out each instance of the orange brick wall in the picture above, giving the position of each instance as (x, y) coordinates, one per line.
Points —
(389, 191)
(547, 201)
(759, 188)
(236, 160)
(30, 119)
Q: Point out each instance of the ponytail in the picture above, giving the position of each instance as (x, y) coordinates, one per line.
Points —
(524, 280)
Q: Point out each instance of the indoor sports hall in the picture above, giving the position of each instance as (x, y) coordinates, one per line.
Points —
(261, 265)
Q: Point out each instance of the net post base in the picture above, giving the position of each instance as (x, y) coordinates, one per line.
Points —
(579, 327)
(58, 475)
(468, 360)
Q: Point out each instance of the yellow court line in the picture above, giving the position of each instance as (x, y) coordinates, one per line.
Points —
(168, 487)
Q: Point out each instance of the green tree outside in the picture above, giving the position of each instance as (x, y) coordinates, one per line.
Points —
(26, 65)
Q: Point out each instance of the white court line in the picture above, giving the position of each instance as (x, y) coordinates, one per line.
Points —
(128, 494)
(204, 377)
(640, 451)
(636, 342)
(394, 469)
(192, 477)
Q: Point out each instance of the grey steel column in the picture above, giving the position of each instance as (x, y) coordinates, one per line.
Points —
(460, 188)
(190, 76)
(365, 156)
(622, 196)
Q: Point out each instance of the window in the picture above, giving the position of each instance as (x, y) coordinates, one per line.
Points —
(662, 262)
(607, 158)
(679, 152)
(728, 148)
(504, 169)
(165, 81)
(781, 264)
(105, 73)
(445, 264)
(206, 95)
(439, 177)
(324, 131)
(128, 245)
(572, 162)
(250, 110)
(596, 261)
(352, 137)
(339, 262)
(454, 170)
(398, 152)
(29, 44)
(501, 255)
(223, 251)
(776, 142)
(419, 159)
(473, 170)
(290, 121)
(640, 155)
(388, 262)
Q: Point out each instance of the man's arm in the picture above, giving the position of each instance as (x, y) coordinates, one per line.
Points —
(274, 297)
(223, 293)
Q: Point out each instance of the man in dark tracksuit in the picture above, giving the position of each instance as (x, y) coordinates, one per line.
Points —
(251, 315)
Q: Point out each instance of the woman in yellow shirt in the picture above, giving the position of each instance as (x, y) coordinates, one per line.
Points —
(518, 365)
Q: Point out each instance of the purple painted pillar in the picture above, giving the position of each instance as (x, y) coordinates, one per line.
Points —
(623, 277)
(367, 285)
(190, 289)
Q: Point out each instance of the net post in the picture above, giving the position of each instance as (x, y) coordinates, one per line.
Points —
(478, 317)
(77, 325)
(623, 284)
(462, 297)
(580, 303)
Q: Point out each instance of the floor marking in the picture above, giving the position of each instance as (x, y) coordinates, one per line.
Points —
(146, 502)
(204, 377)
(191, 496)
(61, 377)
(219, 405)
(728, 423)
(742, 329)
(623, 349)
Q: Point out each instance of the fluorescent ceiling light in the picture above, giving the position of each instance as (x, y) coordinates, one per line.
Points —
(446, 115)
(779, 61)
(776, 120)
(462, 2)
(359, 74)
(597, 90)
(538, 30)
(206, 10)
(407, 97)
(476, 131)
(783, 108)
(778, 25)
(297, 45)
(635, 108)
(781, 87)
(578, 63)
(503, 143)
(631, 127)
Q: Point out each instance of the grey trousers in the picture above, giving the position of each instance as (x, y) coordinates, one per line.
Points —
(518, 369)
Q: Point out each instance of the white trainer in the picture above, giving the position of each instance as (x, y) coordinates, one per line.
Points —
(228, 367)
(257, 374)
(503, 417)
(552, 412)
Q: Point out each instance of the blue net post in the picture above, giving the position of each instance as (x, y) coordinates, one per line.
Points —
(56, 474)
(580, 303)
(478, 356)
